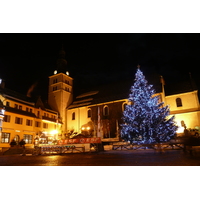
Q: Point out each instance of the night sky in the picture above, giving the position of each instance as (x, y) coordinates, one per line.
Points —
(96, 58)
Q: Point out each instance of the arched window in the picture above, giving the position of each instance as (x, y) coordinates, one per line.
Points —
(73, 116)
(124, 106)
(179, 102)
(105, 111)
(89, 113)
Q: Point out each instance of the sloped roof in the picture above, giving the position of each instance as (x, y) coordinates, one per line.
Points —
(13, 94)
(18, 111)
(105, 93)
(20, 98)
(120, 90)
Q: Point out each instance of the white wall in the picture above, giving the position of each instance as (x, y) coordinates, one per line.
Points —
(189, 101)
(80, 119)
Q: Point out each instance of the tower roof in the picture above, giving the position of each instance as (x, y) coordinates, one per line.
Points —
(61, 63)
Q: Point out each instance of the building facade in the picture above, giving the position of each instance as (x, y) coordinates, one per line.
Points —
(185, 107)
(24, 119)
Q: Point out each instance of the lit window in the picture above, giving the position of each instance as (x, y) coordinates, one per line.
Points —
(105, 111)
(28, 138)
(179, 102)
(5, 137)
(73, 116)
(89, 113)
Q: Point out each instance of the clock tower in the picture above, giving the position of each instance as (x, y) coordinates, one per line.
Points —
(60, 94)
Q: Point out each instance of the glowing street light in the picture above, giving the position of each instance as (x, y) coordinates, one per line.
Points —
(53, 132)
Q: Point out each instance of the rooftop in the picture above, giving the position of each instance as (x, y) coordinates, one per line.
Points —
(120, 90)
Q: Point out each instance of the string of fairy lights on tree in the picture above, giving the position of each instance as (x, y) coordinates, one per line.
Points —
(145, 119)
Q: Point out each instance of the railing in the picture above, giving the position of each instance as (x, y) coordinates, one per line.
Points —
(187, 144)
(58, 149)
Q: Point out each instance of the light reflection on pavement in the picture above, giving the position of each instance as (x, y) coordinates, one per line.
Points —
(107, 158)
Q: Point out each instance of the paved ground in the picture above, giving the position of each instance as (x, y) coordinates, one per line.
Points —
(107, 158)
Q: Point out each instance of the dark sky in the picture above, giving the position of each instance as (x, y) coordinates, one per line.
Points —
(96, 58)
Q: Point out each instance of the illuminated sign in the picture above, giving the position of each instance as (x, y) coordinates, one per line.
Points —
(80, 141)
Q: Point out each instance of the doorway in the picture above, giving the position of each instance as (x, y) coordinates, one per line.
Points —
(16, 138)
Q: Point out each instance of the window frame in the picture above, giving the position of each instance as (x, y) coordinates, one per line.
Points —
(55, 88)
(105, 111)
(29, 122)
(18, 120)
(73, 116)
(89, 113)
(37, 124)
(55, 80)
(7, 118)
(28, 138)
(3, 138)
(45, 125)
(179, 102)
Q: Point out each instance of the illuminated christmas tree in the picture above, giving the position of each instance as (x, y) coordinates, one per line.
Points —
(145, 119)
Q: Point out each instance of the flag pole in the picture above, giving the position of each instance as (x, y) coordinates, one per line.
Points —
(163, 89)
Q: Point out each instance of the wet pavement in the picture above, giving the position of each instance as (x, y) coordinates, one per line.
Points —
(106, 158)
